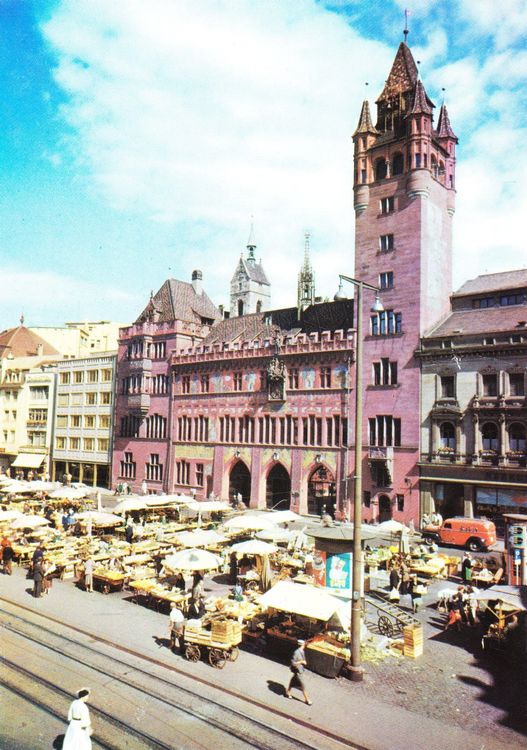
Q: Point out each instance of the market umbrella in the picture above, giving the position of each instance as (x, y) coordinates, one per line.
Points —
(208, 506)
(28, 522)
(507, 594)
(276, 535)
(154, 500)
(193, 559)
(249, 523)
(39, 485)
(254, 547)
(17, 487)
(99, 519)
(68, 493)
(10, 515)
(129, 504)
(200, 538)
(390, 527)
(285, 516)
(301, 599)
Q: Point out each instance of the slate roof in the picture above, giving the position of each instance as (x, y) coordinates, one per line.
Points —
(444, 129)
(403, 75)
(486, 321)
(326, 316)
(255, 271)
(494, 282)
(21, 342)
(177, 300)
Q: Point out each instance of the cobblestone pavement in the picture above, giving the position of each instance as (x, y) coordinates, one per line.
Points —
(454, 681)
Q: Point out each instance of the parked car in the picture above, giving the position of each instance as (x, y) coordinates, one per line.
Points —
(476, 534)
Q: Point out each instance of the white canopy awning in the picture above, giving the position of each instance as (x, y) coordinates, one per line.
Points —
(301, 599)
(29, 460)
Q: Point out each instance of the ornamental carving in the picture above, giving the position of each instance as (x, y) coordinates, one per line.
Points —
(276, 375)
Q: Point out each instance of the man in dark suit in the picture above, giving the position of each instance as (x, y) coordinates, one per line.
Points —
(38, 577)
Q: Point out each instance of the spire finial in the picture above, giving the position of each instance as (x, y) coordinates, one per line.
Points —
(251, 242)
(405, 32)
(22, 319)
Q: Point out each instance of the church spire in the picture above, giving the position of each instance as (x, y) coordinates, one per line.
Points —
(251, 244)
(306, 279)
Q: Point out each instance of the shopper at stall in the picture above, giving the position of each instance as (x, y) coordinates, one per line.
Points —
(298, 664)
(454, 612)
(395, 578)
(179, 582)
(7, 556)
(88, 575)
(466, 568)
(78, 733)
(38, 577)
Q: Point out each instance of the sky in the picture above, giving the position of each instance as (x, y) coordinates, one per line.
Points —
(139, 139)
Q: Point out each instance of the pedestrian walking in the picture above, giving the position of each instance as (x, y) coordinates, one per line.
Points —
(88, 575)
(78, 733)
(7, 557)
(454, 613)
(177, 627)
(38, 577)
(47, 570)
(298, 663)
(466, 569)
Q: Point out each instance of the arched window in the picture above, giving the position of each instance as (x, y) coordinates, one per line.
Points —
(447, 434)
(240, 307)
(517, 437)
(398, 164)
(381, 169)
(489, 436)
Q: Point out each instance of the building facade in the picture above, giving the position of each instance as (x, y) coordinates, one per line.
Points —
(83, 419)
(179, 315)
(404, 192)
(81, 339)
(27, 392)
(261, 408)
(474, 408)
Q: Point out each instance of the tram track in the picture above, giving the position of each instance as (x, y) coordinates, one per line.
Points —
(261, 733)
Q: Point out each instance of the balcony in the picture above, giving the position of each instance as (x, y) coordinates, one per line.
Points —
(139, 402)
(139, 365)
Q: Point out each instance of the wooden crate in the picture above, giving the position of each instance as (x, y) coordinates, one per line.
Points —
(225, 630)
(413, 641)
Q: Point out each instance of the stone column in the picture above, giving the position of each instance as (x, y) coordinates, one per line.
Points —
(436, 437)
(477, 438)
(504, 438)
(459, 452)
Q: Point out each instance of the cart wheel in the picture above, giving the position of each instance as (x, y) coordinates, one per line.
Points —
(192, 652)
(217, 658)
(385, 626)
(234, 654)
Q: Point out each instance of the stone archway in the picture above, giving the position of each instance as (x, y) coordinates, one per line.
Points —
(321, 492)
(278, 488)
(385, 508)
(240, 482)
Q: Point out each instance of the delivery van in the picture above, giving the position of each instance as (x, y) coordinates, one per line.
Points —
(476, 534)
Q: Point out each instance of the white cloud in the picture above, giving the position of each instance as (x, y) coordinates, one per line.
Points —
(505, 21)
(43, 297)
(203, 114)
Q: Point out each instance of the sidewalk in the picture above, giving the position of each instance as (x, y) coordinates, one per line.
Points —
(401, 705)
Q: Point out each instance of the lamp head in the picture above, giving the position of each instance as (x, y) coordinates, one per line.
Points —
(377, 305)
(340, 293)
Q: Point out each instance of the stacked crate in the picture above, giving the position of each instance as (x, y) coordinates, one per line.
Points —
(225, 631)
(413, 641)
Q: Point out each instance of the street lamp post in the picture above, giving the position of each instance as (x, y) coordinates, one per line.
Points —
(357, 671)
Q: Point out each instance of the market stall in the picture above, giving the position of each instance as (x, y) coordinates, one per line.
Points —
(302, 611)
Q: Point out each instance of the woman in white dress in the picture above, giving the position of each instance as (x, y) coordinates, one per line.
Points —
(78, 734)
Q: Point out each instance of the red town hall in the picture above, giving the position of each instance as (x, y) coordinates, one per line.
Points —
(260, 401)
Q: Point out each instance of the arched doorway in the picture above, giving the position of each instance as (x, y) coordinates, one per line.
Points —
(385, 508)
(321, 492)
(278, 489)
(240, 482)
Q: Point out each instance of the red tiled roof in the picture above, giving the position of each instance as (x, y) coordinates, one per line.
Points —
(403, 75)
(365, 124)
(422, 104)
(177, 300)
(494, 282)
(21, 342)
(489, 320)
(444, 129)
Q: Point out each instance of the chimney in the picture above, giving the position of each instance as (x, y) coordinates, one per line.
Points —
(196, 281)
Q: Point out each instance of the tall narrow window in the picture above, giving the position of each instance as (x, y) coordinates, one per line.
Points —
(386, 242)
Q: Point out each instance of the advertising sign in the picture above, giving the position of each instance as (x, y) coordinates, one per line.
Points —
(319, 568)
(338, 570)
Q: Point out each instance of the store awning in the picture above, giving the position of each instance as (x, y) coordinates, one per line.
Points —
(301, 599)
(29, 460)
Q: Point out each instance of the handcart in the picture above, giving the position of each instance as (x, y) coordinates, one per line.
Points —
(391, 618)
(220, 642)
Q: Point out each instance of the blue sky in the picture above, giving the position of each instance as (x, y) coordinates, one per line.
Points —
(137, 139)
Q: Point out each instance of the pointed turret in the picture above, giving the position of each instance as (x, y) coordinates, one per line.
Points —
(365, 124)
(444, 129)
(251, 245)
(422, 105)
(403, 75)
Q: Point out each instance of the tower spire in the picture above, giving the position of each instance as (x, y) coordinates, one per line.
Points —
(251, 242)
(406, 32)
(306, 279)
